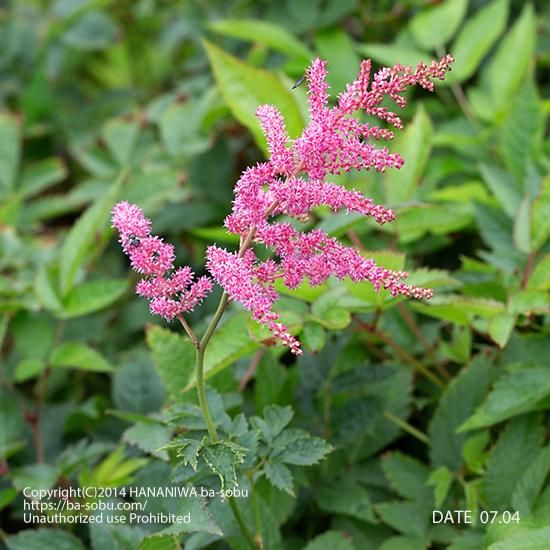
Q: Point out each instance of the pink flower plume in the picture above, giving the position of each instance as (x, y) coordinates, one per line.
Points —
(169, 294)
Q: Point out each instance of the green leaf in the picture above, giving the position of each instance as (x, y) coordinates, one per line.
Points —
(476, 38)
(38, 539)
(10, 152)
(529, 301)
(445, 17)
(95, 30)
(458, 401)
(297, 447)
(522, 225)
(174, 358)
(522, 131)
(515, 52)
(391, 54)
(180, 130)
(330, 540)
(405, 543)
(313, 337)
(533, 539)
(121, 136)
(27, 369)
(79, 356)
(407, 476)
(160, 542)
(441, 480)
(82, 236)
(540, 216)
(262, 32)
(474, 453)
(531, 483)
(503, 186)
(245, 88)
(41, 175)
(517, 447)
(186, 449)
(540, 277)
(336, 47)
(275, 419)
(149, 438)
(92, 296)
(11, 423)
(414, 144)
(515, 393)
(201, 519)
(417, 514)
(347, 497)
(279, 476)
(222, 458)
(36, 476)
(137, 387)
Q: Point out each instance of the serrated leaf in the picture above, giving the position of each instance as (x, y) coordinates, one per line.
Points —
(516, 448)
(313, 336)
(458, 401)
(298, 447)
(515, 393)
(531, 483)
(149, 438)
(522, 131)
(186, 449)
(262, 32)
(475, 39)
(407, 476)
(222, 457)
(347, 497)
(92, 296)
(275, 419)
(279, 476)
(245, 88)
(415, 146)
(522, 225)
(137, 388)
(445, 17)
(79, 356)
(394, 513)
(174, 357)
(529, 301)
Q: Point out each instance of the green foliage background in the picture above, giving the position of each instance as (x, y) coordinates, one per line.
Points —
(438, 405)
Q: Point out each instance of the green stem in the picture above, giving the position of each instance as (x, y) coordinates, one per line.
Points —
(240, 520)
(405, 426)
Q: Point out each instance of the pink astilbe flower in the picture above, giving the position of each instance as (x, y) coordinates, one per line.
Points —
(171, 292)
(332, 143)
(292, 182)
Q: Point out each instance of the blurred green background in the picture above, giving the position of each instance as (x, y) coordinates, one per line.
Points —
(438, 405)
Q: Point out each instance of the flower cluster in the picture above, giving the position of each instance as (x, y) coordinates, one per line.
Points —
(292, 182)
(170, 291)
